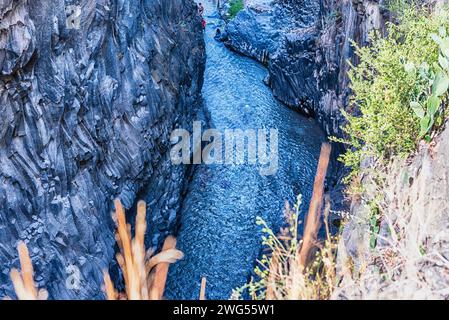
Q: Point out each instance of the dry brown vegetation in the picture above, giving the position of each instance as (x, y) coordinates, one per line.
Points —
(410, 259)
(298, 270)
(23, 281)
(408, 262)
(144, 273)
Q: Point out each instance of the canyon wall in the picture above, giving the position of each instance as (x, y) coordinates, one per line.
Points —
(306, 45)
(89, 94)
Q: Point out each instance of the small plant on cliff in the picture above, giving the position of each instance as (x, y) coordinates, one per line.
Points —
(399, 88)
(428, 103)
(235, 6)
(281, 274)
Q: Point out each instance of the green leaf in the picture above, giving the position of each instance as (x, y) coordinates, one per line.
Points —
(440, 85)
(443, 43)
(424, 70)
(444, 47)
(373, 241)
(436, 38)
(418, 109)
(444, 63)
(422, 250)
(433, 103)
(425, 125)
(424, 67)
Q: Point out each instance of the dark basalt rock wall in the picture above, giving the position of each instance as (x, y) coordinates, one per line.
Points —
(89, 93)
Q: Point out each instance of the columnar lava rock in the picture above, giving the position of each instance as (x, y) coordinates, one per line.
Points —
(89, 93)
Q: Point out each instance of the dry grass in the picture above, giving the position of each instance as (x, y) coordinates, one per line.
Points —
(281, 274)
(144, 273)
(400, 269)
(410, 260)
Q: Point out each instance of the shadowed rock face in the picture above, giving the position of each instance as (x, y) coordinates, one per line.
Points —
(282, 34)
(89, 93)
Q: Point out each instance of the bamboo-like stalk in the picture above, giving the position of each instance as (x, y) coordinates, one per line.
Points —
(313, 220)
(203, 288)
(145, 275)
(23, 281)
(139, 249)
(128, 272)
(161, 271)
(111, 293)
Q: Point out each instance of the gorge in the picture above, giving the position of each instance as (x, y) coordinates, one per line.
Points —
(218, 232)
(91, 91)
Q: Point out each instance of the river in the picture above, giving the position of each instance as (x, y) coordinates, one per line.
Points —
(218, 232)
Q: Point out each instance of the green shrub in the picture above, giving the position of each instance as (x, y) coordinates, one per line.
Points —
(235, 7)
(399, 88)
(398, 6)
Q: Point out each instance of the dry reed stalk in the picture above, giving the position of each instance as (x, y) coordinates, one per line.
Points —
(161, 271)
(203, 288)
(111, 293)
(313, 221)
(144, 274)
(23, 282)
(271, 284)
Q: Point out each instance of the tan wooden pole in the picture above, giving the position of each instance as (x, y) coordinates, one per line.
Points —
(313, 220)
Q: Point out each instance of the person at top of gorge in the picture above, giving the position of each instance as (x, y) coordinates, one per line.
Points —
(200, 9)
(218, 34)
(201, 12)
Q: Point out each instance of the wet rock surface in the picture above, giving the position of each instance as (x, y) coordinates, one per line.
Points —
(89, 93)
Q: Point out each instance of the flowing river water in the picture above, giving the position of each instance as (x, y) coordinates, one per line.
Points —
(218, 232)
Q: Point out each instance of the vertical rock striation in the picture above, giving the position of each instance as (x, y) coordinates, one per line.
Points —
(89, 93)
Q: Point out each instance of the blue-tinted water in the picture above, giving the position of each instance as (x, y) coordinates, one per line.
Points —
(218, 233)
